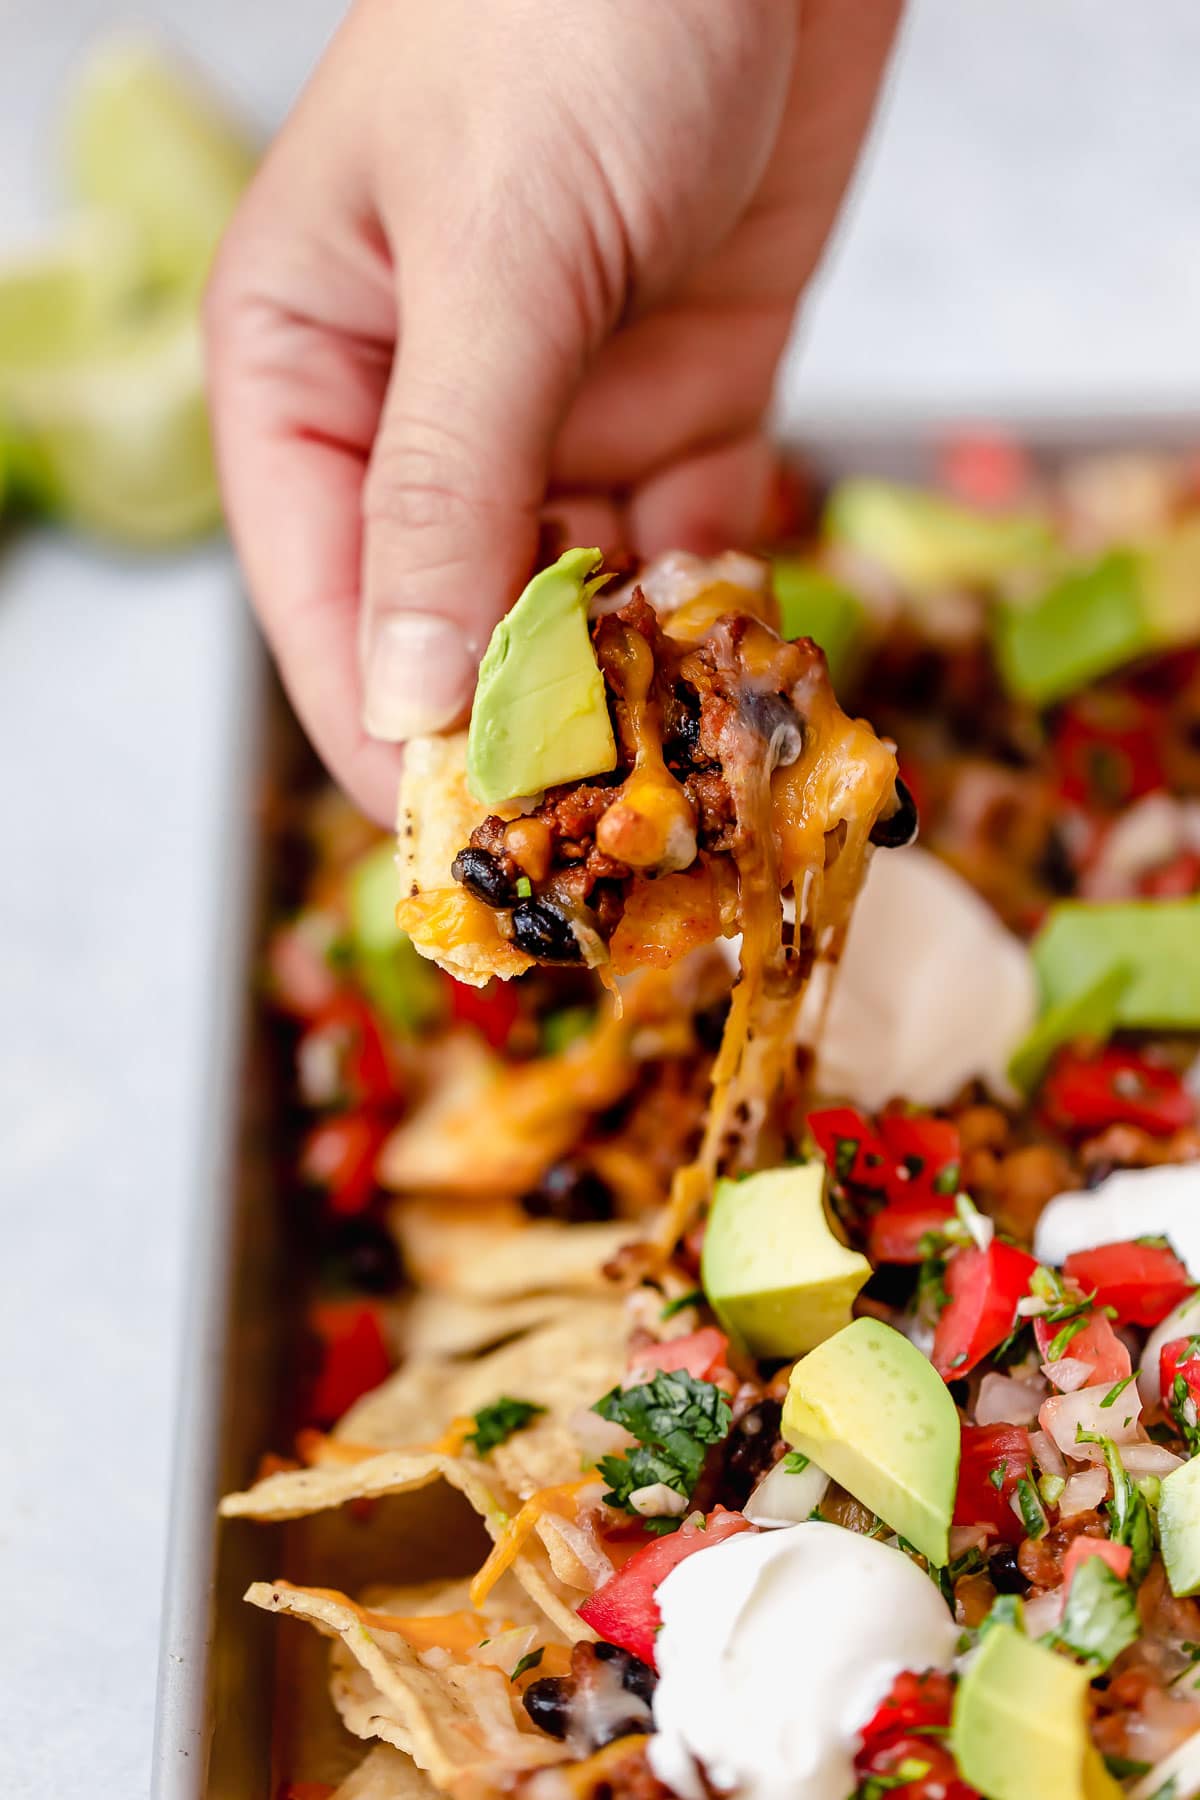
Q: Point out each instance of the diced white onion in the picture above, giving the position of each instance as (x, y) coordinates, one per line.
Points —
(1150, 1459)
(1068, 1374)
(1005, 1401)
(967, 1537)
(1046, 1453)
(1065, 1416)
(598, 1437)
(1083, 1492)
(783, 1497)
(505, 1650)
(658, 1501)
(1184, 1321)
(1044, 1612)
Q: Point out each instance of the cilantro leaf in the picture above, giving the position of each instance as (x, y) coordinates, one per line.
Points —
(1006, 1609)
(1100, 1619)
(675, 1418)
(496, 1423)
(531, 1660)
(1130, 1519)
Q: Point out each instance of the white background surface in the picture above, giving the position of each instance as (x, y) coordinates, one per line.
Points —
(1027, 229)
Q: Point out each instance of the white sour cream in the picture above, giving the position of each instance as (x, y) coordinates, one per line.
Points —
(775, 1649)
(932, 991)
(1132, 1203)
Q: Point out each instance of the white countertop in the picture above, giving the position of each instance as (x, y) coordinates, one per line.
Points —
(1025, 230)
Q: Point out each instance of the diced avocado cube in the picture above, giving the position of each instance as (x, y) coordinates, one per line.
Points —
(1088, 623)
(405, 988)
(929, 542)
(775, 1275)
(1157, 940)
(1020, 1727)
(873, 1412)
(1090, 1014)
(541, 712)
(813, 605)
(1179, 1524)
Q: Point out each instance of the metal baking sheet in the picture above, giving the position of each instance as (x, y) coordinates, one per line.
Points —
(228, 1717)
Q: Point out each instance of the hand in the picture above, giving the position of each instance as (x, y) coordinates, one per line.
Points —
(510, 260)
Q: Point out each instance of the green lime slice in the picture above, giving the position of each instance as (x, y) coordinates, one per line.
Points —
(118, 441)
(146, 138)
(62, 293)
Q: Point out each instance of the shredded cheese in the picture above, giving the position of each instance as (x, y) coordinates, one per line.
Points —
(508, 1545)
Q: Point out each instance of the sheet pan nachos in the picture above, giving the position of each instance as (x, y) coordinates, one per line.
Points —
(783, 1238)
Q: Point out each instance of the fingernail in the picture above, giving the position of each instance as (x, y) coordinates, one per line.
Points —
(418, 676)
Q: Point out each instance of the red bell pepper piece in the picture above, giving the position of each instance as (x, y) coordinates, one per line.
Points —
(343, 1053)
(492, 1010)
(1117, 1556)
(924, 1155)
(340, 1154)
(1092, 1340)
(1142, 1282)
(913, 1703)
(702, 1353)
(984, 1287)
(994, 1458)
(897, 1232)
(851, 1147)
(624, 1611)
(927, 1761)
(1179, 1361)
(1082, 1093)
(354, 1357)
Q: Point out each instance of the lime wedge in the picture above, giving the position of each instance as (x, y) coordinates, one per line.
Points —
(146, 138)
(61, 293)
(117, 441)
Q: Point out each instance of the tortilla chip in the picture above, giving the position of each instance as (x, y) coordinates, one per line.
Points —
(460, 1722)
(436, 817)
(386, 1774)
(498, 1254)
(445, 1325)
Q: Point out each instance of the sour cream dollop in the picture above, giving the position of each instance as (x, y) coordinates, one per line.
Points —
(932, 991)
(774, 1651)
(1160, 1202)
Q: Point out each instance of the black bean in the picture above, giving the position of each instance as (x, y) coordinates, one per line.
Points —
(1005, 1573)
(749, 1451)
(774, 719)
(363, 1253)
(900, 828)
(543, 932)
(571, 1192)
(548, 1703)
(637, 1677)
(481, 874)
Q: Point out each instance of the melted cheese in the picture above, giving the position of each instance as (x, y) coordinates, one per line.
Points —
(562, 1499)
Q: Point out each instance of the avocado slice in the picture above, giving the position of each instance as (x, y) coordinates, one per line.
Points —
(1090, 1014)
(929, 542)
(873, 1412)
(1179, 1525)
(777, 1278)
(813, 605)
(1158, 940)
(406, 990)
(1091, 621)
(1020, 1728)
(541, 713)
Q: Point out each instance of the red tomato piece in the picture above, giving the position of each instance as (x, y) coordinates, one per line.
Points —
(492, 1010)
(924, 1155)
(932, 1770)
(1180, 1361)
(895, 1233)
(702, 1353)
(302, 979)
(851, 1147)
(984, 468)
(914, 1702)
(1117, 1556)
(1096, 1344)
(346, 1048)
(354, 1357)
(1106, 749)
(1082, 1093)
(340, 1154)
(1173, 880)
(984, 1287)
(994, 1458)
(624, 1611)
(1142, 1282)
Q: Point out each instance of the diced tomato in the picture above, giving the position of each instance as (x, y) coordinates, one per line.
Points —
(1142, 1282)
(896, 1232)
(702, 1354)
(340, 1154)
(1106, 749)
(924, 1155)
(984, 1287)
(302, 978)
(913, 1703)
(851, 1147)
(624, 1611)
(927, 1762)
(1096, 1344)
(1180, 1361)
(492, 1010)
(1117, 1556)
(1086, 1093)
(994, 1458)
(1173, 880)
(984, 468)
(343, 1059)
(354, 1357)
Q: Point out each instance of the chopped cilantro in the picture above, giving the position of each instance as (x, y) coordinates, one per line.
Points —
(1117, 1389)
(531, 1661)
(496, 1423)
(1124, 1768)
(1056, 1348)
(795, 1462)
(1006, 1609)
(524, 887)
(946, 1180)
(996, 1477)
(693, 1297)
(674, 1418)
(1033, 1515)
(1130, 1519)
(1100, 1619)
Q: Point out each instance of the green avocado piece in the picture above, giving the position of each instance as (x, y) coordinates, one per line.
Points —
(775, 1275)
(813, 605)
(1179, 1524)
(1020, 1728)
(1157, 940)
(405, 989)
(875, 1415)
(1090, 622)
(929, 542)
(1090, 1014)
(541, 713)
